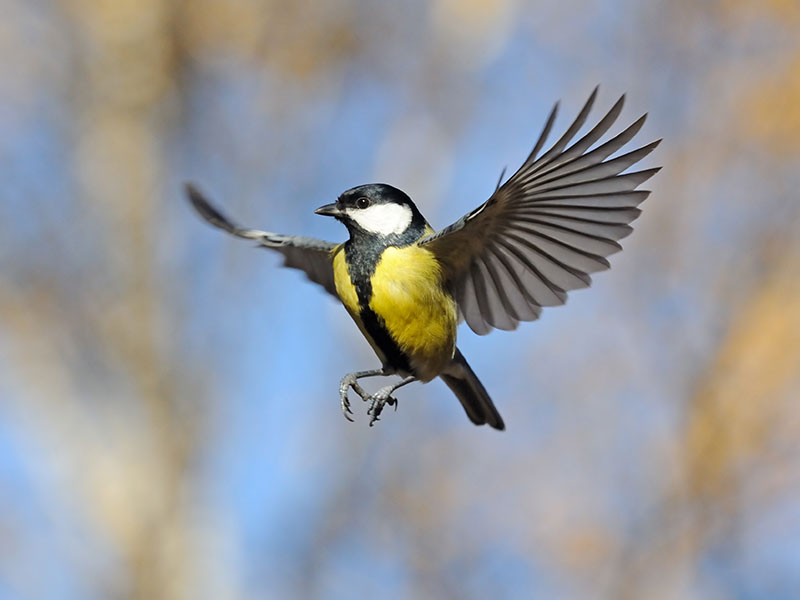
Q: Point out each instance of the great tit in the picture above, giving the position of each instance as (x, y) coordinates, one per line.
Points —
(407, 287)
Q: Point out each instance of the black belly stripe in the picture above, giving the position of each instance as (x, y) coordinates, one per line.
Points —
(361, 256)
(395, 358)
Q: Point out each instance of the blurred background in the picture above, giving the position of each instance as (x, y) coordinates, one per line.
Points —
(169, 419)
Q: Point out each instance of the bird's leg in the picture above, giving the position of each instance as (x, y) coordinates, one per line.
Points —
(351, 381)
(384, 396)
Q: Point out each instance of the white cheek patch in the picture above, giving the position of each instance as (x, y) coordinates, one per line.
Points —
(382, 219)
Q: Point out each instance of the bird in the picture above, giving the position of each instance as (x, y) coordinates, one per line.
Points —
(541, 234)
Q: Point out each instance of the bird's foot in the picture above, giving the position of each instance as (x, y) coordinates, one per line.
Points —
(350, 381)
(380, 398)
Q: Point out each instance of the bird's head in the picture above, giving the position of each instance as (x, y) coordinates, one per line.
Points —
(376, 210)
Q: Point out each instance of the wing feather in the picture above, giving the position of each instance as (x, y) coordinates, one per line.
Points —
(313, 257)
(512, 277)
(597, 155)
(481, 293)
(570, 224)
(468, 302)
(548, 227)
(597, 171)
(503, 312)
(600, 202)
(583, 144)
(551, 276)
(556, 151)
(542, 137)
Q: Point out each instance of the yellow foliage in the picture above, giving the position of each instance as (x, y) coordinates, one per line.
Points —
(743, 395)
(771, 112)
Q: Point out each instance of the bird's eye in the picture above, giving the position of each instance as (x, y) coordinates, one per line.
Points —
(362, 202)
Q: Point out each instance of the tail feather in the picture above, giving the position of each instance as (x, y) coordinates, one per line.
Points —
(463, 382)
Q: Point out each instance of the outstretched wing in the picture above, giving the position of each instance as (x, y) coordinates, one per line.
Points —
(312, 256)
(545, 229)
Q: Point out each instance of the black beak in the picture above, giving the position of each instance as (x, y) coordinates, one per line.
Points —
(329, 210)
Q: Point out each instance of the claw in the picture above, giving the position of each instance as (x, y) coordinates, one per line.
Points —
(376, 400)
(376, 408)
(345, 401)
(374, 412)
(346, 408)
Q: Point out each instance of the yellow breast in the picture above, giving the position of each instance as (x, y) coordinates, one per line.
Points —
(341, 278)
(349, 297)
(408, 296)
